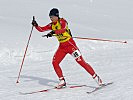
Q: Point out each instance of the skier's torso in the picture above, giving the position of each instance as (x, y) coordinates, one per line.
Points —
(62, 37)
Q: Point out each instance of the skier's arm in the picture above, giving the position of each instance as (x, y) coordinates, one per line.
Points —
(45, 28)
(63, 27)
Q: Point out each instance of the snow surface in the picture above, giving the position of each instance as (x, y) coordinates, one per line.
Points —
(107, 19)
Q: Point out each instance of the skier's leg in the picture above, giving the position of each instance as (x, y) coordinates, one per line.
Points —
(58, 57)
(78, 57)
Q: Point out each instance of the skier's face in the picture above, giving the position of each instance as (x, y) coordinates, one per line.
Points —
(54, 18)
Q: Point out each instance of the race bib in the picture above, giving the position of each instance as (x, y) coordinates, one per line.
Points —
(76, 54)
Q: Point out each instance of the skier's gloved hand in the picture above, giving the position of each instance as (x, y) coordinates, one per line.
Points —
(50, 34)
(34, 23)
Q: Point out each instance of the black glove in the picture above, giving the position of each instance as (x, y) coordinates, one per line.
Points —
(34, 23)
(49, 34)
(52, 32)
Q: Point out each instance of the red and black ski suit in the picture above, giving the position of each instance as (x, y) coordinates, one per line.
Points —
(66, 45)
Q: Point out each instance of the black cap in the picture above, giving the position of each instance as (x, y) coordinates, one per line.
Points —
(54, 12)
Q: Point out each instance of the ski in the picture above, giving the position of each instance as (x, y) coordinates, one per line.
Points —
(50, 89)
(44, 90)
(70, 87)
(100, 87)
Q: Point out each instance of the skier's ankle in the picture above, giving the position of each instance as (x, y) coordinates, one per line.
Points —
(62, 83)
(97, 79)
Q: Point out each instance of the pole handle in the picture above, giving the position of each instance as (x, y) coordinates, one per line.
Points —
(33, 18)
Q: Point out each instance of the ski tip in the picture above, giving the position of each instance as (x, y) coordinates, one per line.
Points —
(88, 92)
(109, 83)
(125, 42)
(21, 93)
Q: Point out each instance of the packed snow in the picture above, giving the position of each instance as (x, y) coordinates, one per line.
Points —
(113, 61)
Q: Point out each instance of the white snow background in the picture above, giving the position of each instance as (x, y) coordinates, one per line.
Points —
(106, 19)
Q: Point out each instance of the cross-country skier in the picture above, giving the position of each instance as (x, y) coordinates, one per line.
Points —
(59, 27)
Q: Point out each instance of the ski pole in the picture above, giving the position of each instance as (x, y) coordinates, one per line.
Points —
(100, 39)
(25, 53)
(83, 38)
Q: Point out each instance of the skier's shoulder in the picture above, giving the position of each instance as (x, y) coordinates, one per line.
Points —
(62, 20)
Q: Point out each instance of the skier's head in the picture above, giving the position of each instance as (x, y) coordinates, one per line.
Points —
(54, 12)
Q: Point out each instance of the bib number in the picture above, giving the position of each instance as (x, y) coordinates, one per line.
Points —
(76, 54)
